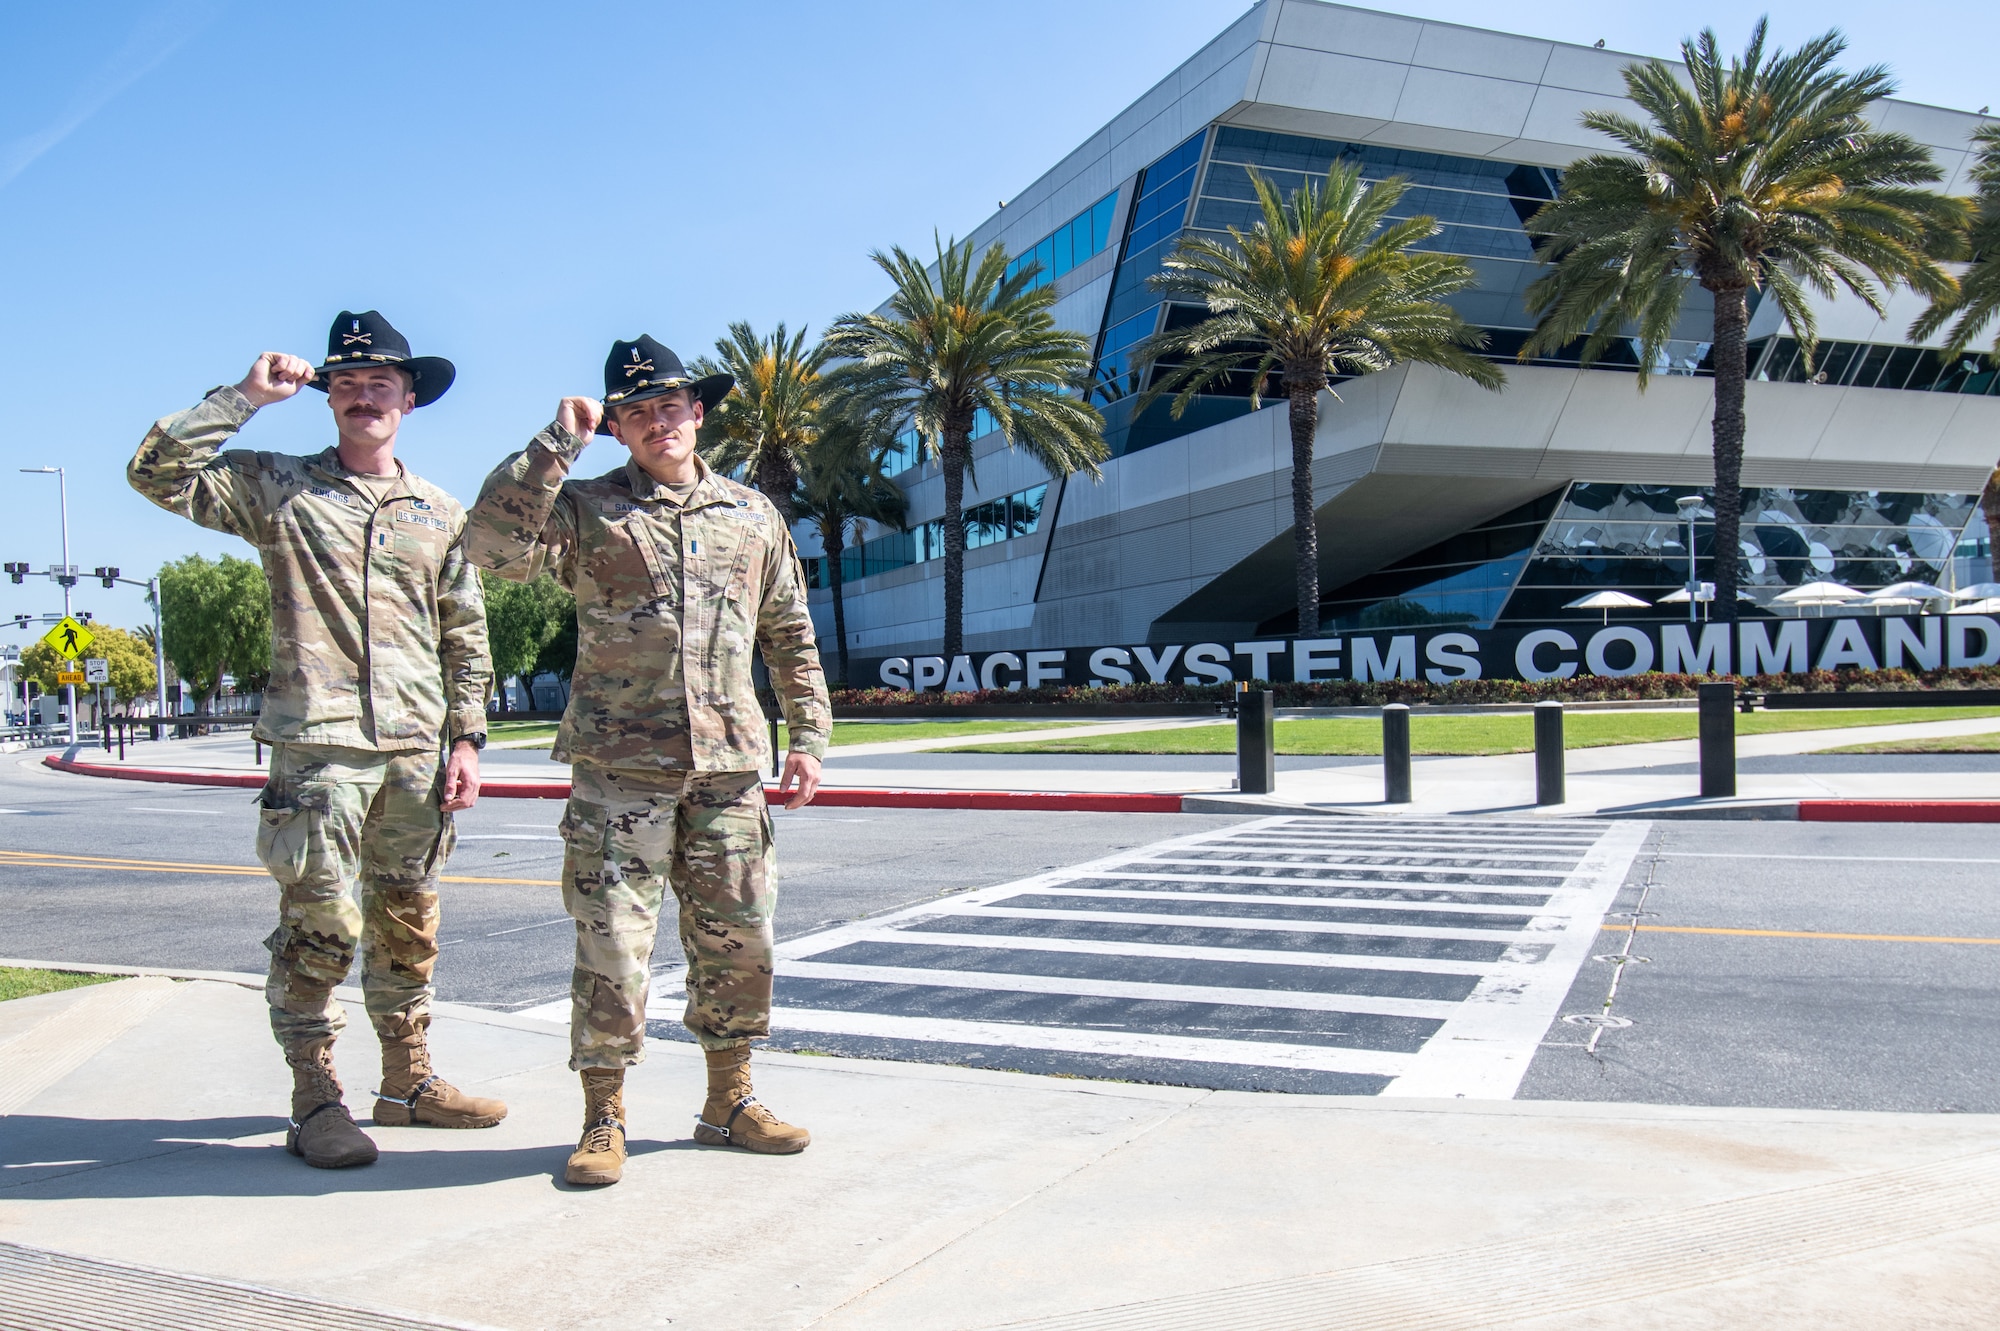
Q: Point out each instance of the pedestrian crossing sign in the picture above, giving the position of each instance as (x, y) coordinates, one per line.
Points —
(70, 637)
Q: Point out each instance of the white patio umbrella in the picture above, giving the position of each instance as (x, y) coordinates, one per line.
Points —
(1978, 591)
(1707, 594)
(1905, 593)
(1817, 593)
(1607, 602)
(1989, 606)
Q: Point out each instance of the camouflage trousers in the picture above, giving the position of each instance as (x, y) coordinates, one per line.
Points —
(339, 824)
(630, 836)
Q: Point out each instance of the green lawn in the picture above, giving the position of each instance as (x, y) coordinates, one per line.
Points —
(1474, 734)
(844, 732)
(517, 730)
(1989, 743)
(17, 982)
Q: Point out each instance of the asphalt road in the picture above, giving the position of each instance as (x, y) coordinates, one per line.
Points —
(1890, 1017)
(112, 873)
(1747, 997)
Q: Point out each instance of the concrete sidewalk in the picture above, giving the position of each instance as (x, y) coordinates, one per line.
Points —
(1647, 779)
(144, 1123)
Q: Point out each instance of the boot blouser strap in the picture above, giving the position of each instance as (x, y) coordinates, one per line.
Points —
(298, 1123)
(416, 1093)
(730, 1122)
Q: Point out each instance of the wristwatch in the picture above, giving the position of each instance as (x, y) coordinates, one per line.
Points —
(477, 739)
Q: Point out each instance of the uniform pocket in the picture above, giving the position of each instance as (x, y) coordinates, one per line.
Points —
(292, 842)
(625, 566)
(584, 826)
(284, 842)
(447, 842)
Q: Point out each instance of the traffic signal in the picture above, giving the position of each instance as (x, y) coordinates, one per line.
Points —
(21, 621)
(15, 572)
(108, 576)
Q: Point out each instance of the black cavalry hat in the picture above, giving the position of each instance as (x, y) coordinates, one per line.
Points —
(359, 340)
(643, 368)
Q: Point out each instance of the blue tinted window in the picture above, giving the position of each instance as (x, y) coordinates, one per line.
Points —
(1069, 244)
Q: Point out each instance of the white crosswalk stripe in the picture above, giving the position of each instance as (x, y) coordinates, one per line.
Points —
(1403, 956)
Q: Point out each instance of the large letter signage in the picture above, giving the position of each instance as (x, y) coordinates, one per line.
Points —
(1447, 652)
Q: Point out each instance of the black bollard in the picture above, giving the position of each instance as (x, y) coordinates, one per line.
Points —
(1549, 753)
(1395, 754)
(1716, 704)
(1256, 741)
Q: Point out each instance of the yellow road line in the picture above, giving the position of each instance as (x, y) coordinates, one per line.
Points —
(50, 860)
(1798, 933)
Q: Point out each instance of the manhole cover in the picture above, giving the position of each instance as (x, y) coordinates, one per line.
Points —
(1597, 1019)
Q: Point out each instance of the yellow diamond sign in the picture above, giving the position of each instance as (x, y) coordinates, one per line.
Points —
(70, 638)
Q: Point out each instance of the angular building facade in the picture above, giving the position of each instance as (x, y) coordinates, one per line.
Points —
(1438, 503)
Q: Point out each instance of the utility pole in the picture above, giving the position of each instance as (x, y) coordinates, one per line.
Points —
(68, 575)
(159, 654)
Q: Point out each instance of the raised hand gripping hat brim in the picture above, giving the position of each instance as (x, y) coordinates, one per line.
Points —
(644, 368)
(358, 341)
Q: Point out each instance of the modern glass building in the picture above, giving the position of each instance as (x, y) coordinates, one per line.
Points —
(1437, 502)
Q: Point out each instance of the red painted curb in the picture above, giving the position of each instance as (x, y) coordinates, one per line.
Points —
(1899, 811)
(990, 799)
(245, 781)
(827, 798)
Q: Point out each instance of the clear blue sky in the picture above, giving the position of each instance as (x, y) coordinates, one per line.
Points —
(186, 183)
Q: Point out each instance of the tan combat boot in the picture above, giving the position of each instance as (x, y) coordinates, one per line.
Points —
(599, 1158)
(322, 1132)
(734, 1117)
(412, 1094)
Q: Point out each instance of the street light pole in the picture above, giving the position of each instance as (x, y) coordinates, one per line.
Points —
(67, 579)
(1689, 505)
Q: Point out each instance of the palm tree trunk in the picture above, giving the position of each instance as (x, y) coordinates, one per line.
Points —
(778, 480)
(955, 455)
(834, 539)
(1732, 317)
(1304, 392)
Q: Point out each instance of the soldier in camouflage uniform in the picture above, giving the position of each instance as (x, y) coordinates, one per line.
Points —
(679, 575)
(378, 643)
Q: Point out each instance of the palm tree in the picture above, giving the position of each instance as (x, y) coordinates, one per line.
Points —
(973, 339)
(1759, 173)
(765, 426)
(841, 486)
(1975, 301)
(1322, 286)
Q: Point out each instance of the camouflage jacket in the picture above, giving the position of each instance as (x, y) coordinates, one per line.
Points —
(378, 627)
(672, 595)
